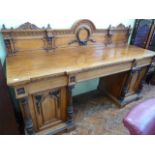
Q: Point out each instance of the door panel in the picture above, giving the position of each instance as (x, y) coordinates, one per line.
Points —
(48, 108)
(49, 115)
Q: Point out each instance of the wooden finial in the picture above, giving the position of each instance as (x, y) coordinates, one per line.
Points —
(3, 27)
(49, 26)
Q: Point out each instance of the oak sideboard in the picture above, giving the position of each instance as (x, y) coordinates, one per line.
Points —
(44, 64)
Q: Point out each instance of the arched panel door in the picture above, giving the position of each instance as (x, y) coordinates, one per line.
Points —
(49, 108)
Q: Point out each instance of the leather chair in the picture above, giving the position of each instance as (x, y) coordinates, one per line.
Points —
(141, 119)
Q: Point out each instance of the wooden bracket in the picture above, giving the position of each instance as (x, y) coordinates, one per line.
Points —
(50, 41)
(13, 43)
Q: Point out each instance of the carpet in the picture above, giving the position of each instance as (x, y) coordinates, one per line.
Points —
(95, 114)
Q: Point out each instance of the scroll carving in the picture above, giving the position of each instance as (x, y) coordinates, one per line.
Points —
(38, 102)
(55, 94)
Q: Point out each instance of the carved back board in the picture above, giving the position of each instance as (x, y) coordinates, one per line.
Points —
(28, 37)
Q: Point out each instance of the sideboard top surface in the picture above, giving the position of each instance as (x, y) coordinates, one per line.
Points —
(29, 67)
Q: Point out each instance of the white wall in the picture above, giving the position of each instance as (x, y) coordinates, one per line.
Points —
(2, 50)
(64, 23)
(60, 13)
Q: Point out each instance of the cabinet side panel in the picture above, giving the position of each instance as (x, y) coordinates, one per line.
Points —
(113, 84)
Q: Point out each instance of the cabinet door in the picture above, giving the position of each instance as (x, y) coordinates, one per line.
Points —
(141, 32)
(49, 108)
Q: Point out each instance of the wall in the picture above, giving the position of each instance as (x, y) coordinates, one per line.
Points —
(2, 50)
(64, 23)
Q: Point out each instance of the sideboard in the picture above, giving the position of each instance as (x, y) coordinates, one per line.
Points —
(44, 64)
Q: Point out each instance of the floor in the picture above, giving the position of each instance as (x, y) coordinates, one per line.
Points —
(97, 115)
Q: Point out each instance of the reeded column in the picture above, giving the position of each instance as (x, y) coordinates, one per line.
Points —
(70, 111)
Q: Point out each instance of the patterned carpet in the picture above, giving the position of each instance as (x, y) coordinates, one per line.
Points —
(97, 115)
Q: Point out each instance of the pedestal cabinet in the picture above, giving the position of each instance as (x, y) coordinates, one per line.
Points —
(124, 87)
(44, 110)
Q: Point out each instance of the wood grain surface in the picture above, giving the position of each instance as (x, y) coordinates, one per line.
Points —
(28, 67)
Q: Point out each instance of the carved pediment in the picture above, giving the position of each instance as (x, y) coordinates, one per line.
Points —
(28, 25)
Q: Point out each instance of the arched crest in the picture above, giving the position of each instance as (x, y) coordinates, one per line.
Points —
(83, 23)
